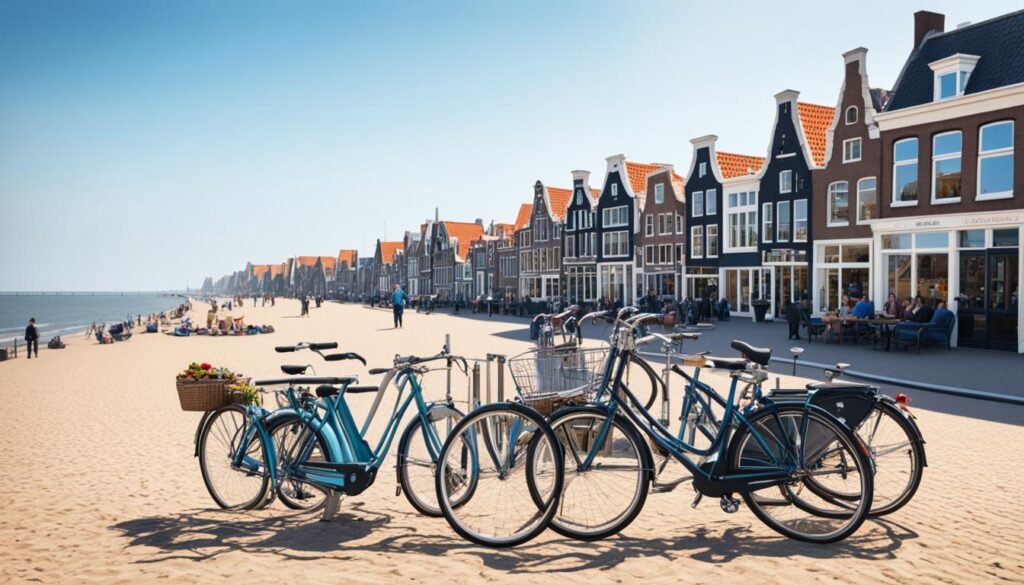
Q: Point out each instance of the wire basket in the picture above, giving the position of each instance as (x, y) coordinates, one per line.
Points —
(547, 379)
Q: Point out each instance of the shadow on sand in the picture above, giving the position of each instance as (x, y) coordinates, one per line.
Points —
(203, 534)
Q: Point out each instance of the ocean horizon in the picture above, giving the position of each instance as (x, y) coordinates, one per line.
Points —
(64, 312)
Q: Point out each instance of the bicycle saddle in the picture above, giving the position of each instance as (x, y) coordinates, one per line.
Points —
(758, 355)
(294, 370)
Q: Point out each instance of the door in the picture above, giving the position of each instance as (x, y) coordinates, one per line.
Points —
(988, 302)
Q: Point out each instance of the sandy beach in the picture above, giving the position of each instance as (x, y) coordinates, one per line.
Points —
(103, 487)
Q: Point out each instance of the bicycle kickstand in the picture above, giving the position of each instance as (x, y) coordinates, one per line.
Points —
(331, 506)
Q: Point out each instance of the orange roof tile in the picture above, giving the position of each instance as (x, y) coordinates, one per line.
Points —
(328, 263)
(595, 193)
(388, 251)
(559, 199)
(277, 270)
(306, 260)
(815, 120)
(466, 233)
(348, 256)
(524, 216)
(637, 173)
(258, 270)
(736, 165)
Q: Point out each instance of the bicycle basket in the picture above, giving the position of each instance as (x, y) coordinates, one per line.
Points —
(548, 378)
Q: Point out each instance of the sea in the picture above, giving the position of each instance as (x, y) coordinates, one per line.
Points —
(63, 313)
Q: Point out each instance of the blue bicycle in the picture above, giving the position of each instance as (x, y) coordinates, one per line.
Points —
(311, 451)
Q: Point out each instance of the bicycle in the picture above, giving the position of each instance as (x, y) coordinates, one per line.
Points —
(327, 451)
(759, 448)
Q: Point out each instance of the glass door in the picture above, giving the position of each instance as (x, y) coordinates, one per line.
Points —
(988, 303)
(971, 303)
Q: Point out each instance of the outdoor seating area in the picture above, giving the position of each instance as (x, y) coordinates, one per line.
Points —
(884, 332)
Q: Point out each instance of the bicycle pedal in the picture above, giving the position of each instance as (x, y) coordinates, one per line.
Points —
(729, 504)
(697, 500)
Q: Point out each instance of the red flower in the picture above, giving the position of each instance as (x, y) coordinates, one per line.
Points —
(205, 366)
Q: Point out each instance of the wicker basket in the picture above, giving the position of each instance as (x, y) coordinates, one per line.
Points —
(202, 395)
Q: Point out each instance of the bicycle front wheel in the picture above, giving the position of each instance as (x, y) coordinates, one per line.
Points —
(811, 445)
(604, 497)
(235, 487)
(418, 455)
(482, 482)
(294, 444)
(897, 451)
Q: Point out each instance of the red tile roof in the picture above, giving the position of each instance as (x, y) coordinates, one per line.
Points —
(306, 260)
(348, 256)
(466, 233)
(278, 270)
(258, 270)
(637, 173)
(328, 263)
(388, 251)
(815, 120)
(559, 199)
(736, 165)
(595, 193)
(524, 216)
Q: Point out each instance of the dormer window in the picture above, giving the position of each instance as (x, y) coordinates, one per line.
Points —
(951, 75)
(851, 115)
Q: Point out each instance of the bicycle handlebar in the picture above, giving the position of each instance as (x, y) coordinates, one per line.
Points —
(306, 345)
(337, 357)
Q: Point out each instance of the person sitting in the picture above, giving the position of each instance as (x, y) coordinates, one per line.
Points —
(723, 309)
(864, 309)
(844, 307)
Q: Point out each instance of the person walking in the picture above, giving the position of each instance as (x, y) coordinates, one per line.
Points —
(398, 304)
(32, 337)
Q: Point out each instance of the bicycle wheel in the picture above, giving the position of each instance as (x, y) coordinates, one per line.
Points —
(832, 454)
(233, 487)
(295, 444)
(417, 461)
(482, 483)
(897, 452)
(606, 497)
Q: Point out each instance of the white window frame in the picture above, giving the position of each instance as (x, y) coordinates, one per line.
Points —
(828, 202)
(570, 247)
(615, 189)
(860, 190)
(778, 221)
(711, 202)
(786, 181)
(697, 241)
(959, 64)
(712, 236)
(846, 115)
(606, 216)
(703, 169)
(916, 161)
(936, 159)
(659, 193)
(993, 154)
(860, 150)
(621, 244)
(748, 211)
(679, 223)
(649, 225)
(649, 254)
(767, 222)
(698, 196)
(807, 229)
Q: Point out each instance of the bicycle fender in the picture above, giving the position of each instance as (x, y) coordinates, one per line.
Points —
(331, 442)
(918, 437)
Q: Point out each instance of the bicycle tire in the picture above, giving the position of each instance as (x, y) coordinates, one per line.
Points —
(229, 434)
(282, 493)
(402, 458)
(647, 394)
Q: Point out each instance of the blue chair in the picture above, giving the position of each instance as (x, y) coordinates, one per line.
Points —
(938, 331)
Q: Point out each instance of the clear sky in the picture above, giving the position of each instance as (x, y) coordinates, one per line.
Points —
(146, 144)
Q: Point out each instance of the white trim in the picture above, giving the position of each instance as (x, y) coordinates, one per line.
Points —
(846, 117)
(828, 205)
(767, 235)
(868, 118)
(790, 174)
(917, 161)
(942, 157)
(787, 155)
(860, 153)
(993, 154)
(856, 213)
(806, 220)
(1000, 98)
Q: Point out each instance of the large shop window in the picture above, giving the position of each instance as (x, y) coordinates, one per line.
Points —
(946, 156)
(844, 269)
(867, 200)
(839, 204)
(917, 264)
(904, 172)
(995, 161)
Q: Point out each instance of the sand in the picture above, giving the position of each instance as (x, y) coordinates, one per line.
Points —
(102, 486)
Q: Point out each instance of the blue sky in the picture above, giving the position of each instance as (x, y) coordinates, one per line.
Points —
(147, 144)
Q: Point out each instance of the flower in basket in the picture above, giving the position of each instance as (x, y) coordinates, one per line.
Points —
(245, 394)
(205, 366)
(205, 371)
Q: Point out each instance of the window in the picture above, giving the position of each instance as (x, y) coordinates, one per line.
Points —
(698, 203)
(615, 243)
(649, 254)
(851, 115)
(786, 182)
(615, 189)
(947, 86)
(740, 222)
(851, 150)
(680, 254)
(649, 228)
(665, 254)
(711, 202)
(946, 167)
(664, 223)
(659, 193)
(952, 74)
(579, 198)
(679, 223)
(615, 216)
(800, 220)
(995, 161)
(570, 247)
(904, 172)
(697, 241)
(712, 241)
(782, 235)
(839, 204)
(703, 169)
(768, 215)
(867, 200)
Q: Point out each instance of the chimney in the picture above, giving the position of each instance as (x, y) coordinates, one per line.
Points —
(926, 22)
(788, 95)
(858, 54)
(479, 221)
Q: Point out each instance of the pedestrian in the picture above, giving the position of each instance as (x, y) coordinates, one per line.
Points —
(32, 337)
(792, 313)
(398, 304)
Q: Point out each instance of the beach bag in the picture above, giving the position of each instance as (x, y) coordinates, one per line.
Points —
(55, 343)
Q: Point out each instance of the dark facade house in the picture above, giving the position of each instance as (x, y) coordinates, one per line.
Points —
(308, 276)
(845, 200)
(579, 242)
(425, 283)
(722, 221)
(345, 281)
(660, 238)
(615, 229)
(540, 254)
(385, 268)
(451, 279)
(951, 182)
(410, 271)
(507, 281)
(784, 194)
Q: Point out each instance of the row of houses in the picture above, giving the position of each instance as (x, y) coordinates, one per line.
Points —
(912, 191)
